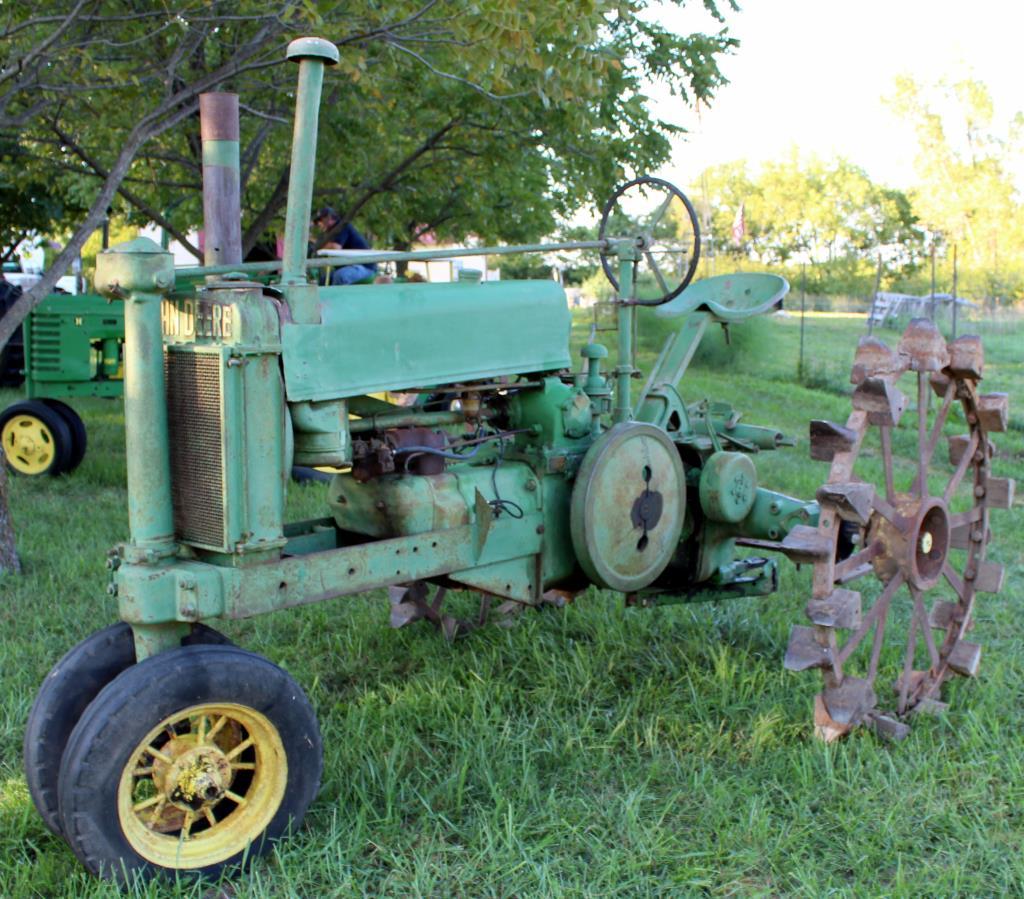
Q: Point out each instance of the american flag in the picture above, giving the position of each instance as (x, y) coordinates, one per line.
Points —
(739, 226)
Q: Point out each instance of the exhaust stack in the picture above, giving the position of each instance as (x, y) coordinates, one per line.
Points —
(222, 205)
(312, 54)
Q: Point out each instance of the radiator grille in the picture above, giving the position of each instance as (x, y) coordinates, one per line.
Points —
(197, 447)
(45, 342)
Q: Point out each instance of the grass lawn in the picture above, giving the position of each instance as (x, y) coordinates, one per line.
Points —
(592, 751)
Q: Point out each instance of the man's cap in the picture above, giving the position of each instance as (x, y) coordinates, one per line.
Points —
(326, 212)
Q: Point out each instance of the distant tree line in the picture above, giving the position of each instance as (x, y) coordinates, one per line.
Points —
(828, 219)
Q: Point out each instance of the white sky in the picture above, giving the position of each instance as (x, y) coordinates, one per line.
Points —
(812, 73)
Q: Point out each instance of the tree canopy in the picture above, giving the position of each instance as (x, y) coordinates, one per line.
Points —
(966, 194)
(491, 117)
(807, 209)
(29, 203)
(833, 216)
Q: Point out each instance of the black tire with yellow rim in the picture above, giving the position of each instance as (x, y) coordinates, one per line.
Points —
(190, 762)
(77, 428)
(36, 439)
(64, 695)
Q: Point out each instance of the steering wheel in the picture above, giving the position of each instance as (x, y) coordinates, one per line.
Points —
(674, 241)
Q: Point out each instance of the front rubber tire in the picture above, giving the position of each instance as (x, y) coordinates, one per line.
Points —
(108, 753)
(65, 693)
(76, 426)
(47, 452)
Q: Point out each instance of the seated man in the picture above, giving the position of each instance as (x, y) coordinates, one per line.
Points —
(348, 238)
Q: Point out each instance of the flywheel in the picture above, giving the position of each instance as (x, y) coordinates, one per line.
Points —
(628, 505)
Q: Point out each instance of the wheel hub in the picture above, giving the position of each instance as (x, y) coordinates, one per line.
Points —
(643, 241)
(199, 777)
(27, 441)
(932, 544)
(918, 546)
(24, 443)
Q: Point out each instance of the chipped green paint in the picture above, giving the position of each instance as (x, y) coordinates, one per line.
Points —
(221, 152)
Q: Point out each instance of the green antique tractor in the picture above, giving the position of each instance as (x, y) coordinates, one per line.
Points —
(157, 745)
(72, 348)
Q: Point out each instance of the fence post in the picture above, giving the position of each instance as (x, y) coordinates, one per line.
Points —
(874, 296)
(933, 281)
(954, 291)
(803, 313)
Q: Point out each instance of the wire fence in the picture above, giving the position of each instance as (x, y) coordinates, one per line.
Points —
(812, 340)
(829, 329)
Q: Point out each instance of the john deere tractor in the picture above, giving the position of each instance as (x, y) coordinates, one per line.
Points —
(157, 746)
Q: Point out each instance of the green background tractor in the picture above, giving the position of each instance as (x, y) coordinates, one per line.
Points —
(73, 347)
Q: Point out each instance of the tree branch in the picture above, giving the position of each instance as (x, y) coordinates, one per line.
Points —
(387, 182)
(266, 215)
(472, 85)
(97, 211)
(136, 201)
(29, 59)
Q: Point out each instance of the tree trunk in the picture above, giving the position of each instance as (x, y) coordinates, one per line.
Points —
(8, 552)
(402, 268)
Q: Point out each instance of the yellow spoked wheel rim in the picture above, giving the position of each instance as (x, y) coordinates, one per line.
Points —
(28, 444)
(203, 785)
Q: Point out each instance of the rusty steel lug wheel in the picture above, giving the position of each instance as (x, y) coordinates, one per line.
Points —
(922, 526)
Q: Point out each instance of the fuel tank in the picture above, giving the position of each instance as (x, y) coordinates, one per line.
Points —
(379, 337)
